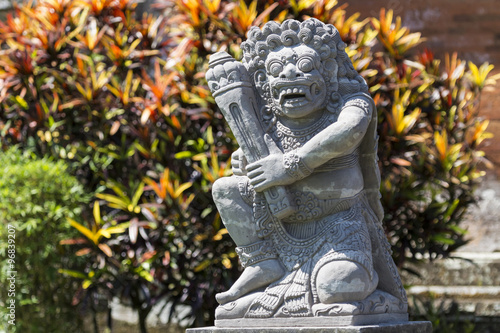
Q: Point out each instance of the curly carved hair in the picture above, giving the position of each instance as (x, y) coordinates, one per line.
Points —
(337, 69)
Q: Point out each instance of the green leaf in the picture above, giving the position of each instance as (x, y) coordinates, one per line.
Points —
(21, 102)
(137, 194)
(451, 209)
(204, 264)
(184, 154)
(72, 273)
(146, 275)
(442, 239)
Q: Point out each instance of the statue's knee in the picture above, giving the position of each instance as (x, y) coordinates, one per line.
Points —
(344, 281)
(224, 188)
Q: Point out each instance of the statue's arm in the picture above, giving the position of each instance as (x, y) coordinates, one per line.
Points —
(340, 138)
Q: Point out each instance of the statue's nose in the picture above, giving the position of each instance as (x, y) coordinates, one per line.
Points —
(290, 71)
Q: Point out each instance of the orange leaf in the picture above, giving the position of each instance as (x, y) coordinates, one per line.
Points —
(400, 161)
(106, 249)
(83, 252)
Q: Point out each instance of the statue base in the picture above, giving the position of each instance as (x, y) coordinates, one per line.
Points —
(396, 327)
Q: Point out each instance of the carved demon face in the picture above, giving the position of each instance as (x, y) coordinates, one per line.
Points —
(295, 80)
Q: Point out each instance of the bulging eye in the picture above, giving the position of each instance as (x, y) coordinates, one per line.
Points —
(275, 68)
(305, 64)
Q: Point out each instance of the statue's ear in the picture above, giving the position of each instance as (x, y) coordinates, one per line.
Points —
(260, 79)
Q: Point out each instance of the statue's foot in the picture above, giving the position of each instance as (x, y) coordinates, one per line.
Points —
(236, 309)
(253, 277)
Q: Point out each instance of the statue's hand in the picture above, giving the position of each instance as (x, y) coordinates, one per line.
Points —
(239, 163)
(270, 170)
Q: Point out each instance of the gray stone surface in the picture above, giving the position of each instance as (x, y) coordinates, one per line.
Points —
(5, 5)
(405, 327)
(330, 321)
(303, 204)
(470, 269)
(483, 220)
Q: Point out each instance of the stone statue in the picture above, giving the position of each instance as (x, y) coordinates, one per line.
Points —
(303, 205)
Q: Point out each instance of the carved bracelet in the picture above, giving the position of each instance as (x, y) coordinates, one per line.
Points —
(295, 167)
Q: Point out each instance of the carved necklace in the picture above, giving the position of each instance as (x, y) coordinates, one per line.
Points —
(289, 139)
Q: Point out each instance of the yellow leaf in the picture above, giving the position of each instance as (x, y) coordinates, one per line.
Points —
(21, 102)
(117, 229)
(116, 201)
(227, 263)
(137, 194)
(128, 83)
(82, 91)
(181, 189)
(85, 231)
(132, 47)
(103, 232)
(199, 157)
(97, 213)
(219, 234)
(86, 284)
(410, 120)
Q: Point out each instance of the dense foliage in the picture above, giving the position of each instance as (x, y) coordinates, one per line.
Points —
(36, 196)
(125, 103)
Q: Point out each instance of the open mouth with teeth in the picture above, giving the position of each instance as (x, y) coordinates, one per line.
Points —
(296, 95)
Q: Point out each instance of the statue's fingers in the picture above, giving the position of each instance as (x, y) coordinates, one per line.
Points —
(236, 155)
(237, 172)
(243, 160)
(254, 174)
(257, 183)
(262, 186)
(253, 166)
(234, 159)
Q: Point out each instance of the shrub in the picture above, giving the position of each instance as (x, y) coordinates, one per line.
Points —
(36, 195)
(445, 315)
(125, 103)
(429, 141)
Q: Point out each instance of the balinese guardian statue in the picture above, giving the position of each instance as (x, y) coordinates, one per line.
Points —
(303, 205)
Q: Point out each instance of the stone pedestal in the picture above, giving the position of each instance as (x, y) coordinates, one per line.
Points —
(405, 327)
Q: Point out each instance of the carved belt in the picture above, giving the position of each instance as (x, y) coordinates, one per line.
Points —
(310, 208)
